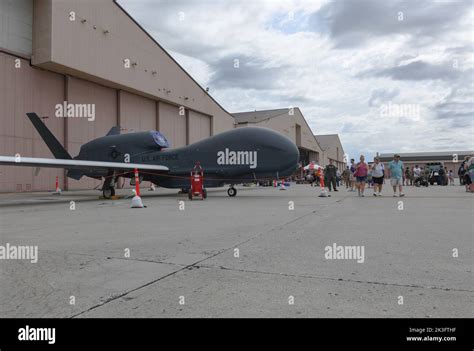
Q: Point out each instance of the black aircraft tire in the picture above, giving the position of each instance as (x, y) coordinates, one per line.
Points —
(204, 193)
(108, 193)
(232, 192)
(190, 195)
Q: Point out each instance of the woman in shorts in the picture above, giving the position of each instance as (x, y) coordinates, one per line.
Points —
(378, 171)
(362, 169)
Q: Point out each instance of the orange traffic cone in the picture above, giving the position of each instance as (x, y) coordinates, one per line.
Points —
(137, 200)
(58, 189)
(323, 192)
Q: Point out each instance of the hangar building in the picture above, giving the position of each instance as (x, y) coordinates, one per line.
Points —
(289, 122)
(332, 150)
(89, 52)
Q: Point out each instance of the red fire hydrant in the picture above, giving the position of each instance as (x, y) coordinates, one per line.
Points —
(197, 183)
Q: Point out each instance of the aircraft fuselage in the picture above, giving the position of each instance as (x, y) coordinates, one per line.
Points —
(236, 156)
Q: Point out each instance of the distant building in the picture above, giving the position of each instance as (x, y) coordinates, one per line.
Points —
(451, 159)
(332, 150)
(289, 122)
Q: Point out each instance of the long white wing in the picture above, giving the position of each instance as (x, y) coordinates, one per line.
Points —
(76, 164)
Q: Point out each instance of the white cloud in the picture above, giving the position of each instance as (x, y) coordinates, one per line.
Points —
(290, 57)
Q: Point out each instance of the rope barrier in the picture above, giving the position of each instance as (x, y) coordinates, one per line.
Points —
(219, 179)
(165, 175)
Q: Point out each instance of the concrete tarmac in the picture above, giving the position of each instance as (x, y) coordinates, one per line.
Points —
(260, 254)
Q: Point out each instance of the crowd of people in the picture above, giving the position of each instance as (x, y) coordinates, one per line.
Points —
(359, 176)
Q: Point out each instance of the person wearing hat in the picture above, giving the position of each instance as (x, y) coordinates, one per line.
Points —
(395, 169)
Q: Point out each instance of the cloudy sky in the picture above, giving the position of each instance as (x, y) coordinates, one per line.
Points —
(385, 75)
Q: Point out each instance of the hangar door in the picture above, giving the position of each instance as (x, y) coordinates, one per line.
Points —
(81, 130)
(137, 113)
(21, 91)
(199, 126)
(172, 124)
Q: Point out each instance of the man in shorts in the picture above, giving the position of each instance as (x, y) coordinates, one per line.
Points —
(395, 168)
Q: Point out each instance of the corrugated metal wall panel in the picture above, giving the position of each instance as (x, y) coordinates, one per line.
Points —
(24, 90)
(137, 113)
(81, 130)
(199, 126)
(16, 26)
(172, 125)
(44, 102)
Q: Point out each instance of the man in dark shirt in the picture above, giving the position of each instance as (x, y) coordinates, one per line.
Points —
(330, 175)
(441, 175)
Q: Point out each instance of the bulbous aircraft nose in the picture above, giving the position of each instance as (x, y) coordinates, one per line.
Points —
(296, 154)
(292, 154)
(281, 153)
(289, 154)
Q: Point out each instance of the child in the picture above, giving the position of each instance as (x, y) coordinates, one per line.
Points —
(451, 177)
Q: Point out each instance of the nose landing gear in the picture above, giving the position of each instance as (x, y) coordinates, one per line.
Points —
(108, 192)
(232, 191)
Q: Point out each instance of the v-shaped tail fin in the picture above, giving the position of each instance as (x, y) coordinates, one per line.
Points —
(53, 144)
(113, 131)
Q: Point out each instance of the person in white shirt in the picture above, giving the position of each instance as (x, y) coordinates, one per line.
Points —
(378, 170)
(417, 171)
(451, 177)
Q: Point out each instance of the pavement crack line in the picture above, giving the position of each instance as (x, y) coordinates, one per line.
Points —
(306, 276)
(148, 261)
(130, 259)
(196, 264)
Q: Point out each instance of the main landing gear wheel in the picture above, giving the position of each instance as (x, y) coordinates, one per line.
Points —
(232, 191)
(108, 192)
(204, 193)
(108, 187)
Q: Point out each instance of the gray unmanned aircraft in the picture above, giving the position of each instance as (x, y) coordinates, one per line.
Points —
(236, 156)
